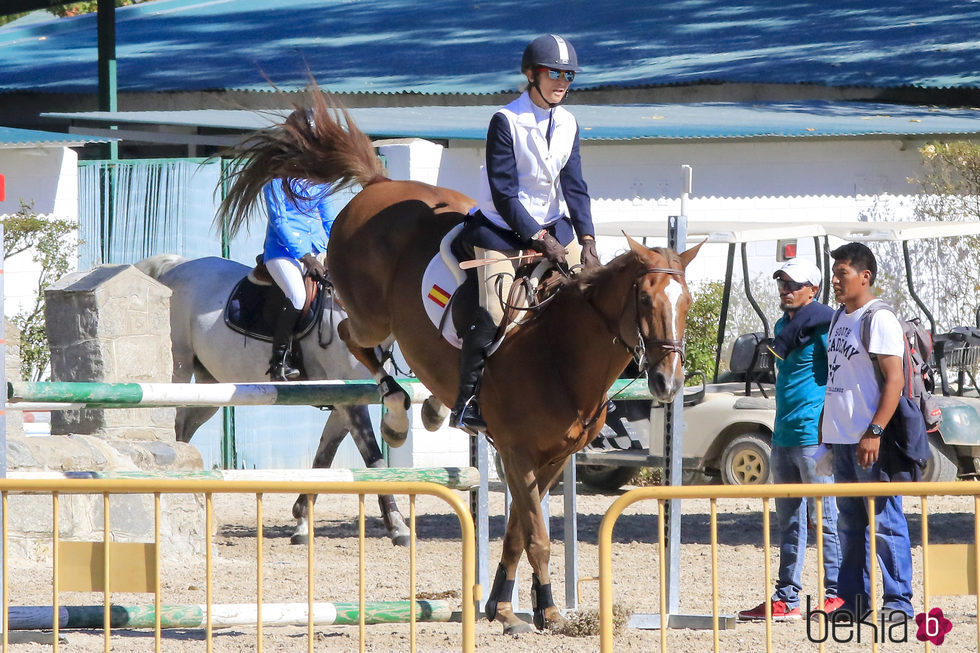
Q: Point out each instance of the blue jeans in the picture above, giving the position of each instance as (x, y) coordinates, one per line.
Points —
(892, 541)
(795, 465)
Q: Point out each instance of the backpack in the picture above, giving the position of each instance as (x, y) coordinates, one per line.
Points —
(915, 363)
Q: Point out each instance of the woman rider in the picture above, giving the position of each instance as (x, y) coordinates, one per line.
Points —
(296, 238)
(533, 172)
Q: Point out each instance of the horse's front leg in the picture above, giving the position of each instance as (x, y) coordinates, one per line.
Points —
(546, 614)
(499, 606)
(394, 423)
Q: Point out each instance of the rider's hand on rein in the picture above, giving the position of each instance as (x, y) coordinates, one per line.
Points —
(589, 260)
(314, 267)
(548, 245)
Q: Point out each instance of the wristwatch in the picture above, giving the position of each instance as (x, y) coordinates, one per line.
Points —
(876, 430)
(540, 235)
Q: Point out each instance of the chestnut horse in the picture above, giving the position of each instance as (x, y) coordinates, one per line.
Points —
(543, 392)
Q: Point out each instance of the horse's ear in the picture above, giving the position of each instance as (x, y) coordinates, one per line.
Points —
(635, 246)
(688, 256)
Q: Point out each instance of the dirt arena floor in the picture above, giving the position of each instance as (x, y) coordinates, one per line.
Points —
(740, 579)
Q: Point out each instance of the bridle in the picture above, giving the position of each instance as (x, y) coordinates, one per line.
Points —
(638, 351)
(667, 345)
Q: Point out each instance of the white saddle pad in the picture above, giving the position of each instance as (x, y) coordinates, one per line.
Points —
(441, 279)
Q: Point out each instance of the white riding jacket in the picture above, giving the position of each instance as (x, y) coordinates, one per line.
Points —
(538, 164)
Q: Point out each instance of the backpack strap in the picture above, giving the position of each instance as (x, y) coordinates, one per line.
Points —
(866, 338)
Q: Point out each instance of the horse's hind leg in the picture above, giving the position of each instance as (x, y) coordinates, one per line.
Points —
(333, 434)
(394, 423)
(357, 421)
(189, 419)
(363, 435)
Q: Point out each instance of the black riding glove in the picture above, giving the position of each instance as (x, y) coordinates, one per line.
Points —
(314, 268)
(550, 247)
(590, 259)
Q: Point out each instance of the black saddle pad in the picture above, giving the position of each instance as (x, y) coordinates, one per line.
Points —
(251, 310)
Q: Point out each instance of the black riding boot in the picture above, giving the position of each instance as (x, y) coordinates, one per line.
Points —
(280, 365)
(476, 341)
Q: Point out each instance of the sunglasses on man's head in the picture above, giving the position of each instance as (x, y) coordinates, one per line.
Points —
(785, 285)
(569, 75)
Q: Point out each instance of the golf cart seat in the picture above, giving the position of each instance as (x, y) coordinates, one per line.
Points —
(957, 355)
(752, 361)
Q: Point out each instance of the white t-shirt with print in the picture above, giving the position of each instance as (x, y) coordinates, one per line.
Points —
(852, 388)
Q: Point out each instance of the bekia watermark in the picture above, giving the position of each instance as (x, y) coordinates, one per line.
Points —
(933, 627)
(843, 625)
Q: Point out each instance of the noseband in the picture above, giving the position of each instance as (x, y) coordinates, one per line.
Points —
(668, 345)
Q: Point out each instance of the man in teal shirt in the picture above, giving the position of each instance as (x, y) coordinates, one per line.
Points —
(800, 348)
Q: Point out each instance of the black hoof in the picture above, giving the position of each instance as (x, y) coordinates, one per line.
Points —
(299, 539)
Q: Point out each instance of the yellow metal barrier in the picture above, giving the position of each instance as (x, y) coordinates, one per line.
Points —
(156, 487)
(933, 565)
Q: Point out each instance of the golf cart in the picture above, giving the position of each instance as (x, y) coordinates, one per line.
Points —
(728, 422)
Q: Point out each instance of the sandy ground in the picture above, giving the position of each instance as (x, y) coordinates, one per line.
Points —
(740, 578)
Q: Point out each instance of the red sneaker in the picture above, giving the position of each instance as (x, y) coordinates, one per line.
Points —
(831, 603)
(780, 612)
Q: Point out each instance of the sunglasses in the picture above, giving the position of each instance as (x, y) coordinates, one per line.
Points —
(789, 286)
(569, 75)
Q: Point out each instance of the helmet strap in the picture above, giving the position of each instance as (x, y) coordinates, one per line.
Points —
(537, 87)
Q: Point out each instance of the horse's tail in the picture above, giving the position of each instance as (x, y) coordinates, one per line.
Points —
(155, 266)
(320, 142)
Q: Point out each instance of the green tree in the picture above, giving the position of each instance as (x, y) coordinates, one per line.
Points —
(53, 245)
(701, 332)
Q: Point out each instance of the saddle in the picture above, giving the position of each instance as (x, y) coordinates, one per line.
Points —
(255, 300)
(450, 296)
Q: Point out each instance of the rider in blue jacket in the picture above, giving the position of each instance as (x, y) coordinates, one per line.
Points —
(295, 241)
(533, 196)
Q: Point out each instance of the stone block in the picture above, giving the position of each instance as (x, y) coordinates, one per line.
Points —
(111, 324)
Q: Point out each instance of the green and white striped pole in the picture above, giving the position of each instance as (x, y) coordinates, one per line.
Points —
(227, 615)
(75, 395)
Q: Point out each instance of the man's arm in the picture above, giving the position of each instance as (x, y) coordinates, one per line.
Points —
(893, 374)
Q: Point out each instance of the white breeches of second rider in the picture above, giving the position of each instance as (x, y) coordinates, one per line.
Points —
(288, 275)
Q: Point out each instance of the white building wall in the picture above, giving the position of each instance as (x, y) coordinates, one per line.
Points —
(45, 178)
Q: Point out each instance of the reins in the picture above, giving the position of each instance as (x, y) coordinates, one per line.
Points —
(638, 351)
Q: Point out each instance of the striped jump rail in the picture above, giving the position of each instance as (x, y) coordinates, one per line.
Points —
(69, 395)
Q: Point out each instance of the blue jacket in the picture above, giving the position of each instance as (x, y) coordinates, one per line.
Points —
(295, 231)
(801, 381)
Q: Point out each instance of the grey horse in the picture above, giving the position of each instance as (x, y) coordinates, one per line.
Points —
(207, 349)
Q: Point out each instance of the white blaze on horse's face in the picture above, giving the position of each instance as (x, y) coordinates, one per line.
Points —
(674, 291)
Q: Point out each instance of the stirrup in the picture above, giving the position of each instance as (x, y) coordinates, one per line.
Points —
(470, 424)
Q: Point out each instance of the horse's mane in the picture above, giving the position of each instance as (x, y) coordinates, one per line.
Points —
(591, 278)
(318, 141)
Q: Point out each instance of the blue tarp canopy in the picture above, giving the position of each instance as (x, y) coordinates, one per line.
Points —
(447, 46)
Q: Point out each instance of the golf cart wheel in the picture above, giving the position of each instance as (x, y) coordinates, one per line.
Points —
(604, 477)
(941, 467)
(746, 461)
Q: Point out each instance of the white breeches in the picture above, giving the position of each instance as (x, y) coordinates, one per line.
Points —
(288, 275)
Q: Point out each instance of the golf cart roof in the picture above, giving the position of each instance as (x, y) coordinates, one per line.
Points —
(717, 231)
(748, 232)
(899, 231)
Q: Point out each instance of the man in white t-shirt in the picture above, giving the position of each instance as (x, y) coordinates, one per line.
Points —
(856, 409)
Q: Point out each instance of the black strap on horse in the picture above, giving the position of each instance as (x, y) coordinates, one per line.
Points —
(669, 345)
(638, 351)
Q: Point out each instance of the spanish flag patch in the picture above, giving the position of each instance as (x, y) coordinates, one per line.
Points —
(439, 296)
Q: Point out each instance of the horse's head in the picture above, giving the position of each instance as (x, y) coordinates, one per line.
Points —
(662, 301)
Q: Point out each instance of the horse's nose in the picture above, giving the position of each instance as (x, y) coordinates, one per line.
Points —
(662, 386)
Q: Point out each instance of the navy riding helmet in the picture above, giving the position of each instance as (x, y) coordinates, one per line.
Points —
(550, 51)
